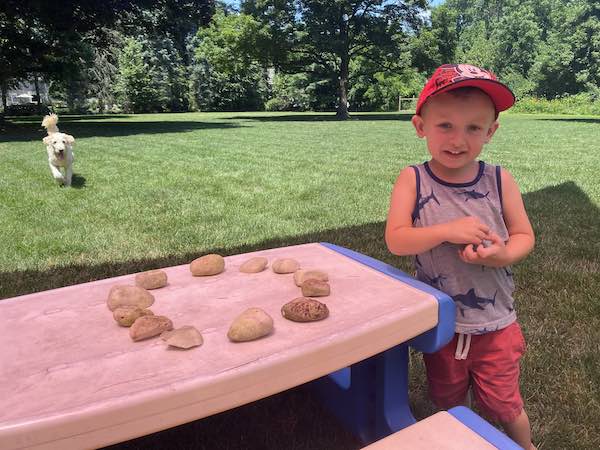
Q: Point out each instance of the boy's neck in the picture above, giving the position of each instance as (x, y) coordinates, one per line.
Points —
(463, 174)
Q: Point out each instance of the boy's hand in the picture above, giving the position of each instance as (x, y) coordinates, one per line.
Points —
(493, 255)
(467, 230)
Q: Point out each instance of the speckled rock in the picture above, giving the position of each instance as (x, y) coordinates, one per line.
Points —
(303, 309)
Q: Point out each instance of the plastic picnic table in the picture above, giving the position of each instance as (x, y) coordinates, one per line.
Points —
(70, 377)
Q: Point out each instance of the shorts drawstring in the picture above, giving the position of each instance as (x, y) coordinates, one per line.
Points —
(462, 351)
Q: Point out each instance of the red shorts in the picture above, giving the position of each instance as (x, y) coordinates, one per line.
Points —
(491, 369)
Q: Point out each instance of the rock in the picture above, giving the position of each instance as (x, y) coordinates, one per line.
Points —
(207, 265)
(315, 288)
(252, 324)
(184, 337)
(122, 295)
(152, 279)
(149, 326)
(126, 315)
(285, 265)
(301, 275)
(304, 309)
(254, 265)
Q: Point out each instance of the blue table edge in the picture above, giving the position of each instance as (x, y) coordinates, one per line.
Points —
(483, 428)
(431, 340)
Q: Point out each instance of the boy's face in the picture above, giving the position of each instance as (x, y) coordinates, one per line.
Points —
(456, 127)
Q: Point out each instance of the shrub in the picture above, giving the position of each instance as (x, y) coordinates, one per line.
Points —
(583, 103)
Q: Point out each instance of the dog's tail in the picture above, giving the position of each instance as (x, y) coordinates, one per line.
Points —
(49, 123)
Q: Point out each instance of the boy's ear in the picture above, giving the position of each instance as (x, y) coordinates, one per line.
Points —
(419, 125)
(491, 130)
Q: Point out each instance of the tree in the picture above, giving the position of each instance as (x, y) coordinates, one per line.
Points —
(58, 40)
(225, 75)
(136, 88)
(331, 33)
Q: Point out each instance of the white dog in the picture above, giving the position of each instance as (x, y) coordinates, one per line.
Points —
(60, 151)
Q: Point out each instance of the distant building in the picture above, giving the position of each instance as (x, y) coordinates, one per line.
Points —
(25, 94)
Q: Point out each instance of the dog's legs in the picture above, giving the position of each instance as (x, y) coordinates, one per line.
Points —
(68, 175)
(56, 174)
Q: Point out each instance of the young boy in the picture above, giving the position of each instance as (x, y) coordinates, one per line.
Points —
(465, 222)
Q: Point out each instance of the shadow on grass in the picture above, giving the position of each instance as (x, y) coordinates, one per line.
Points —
(566, 224)
(78, 181)
(542, 206)
(322, 117)
(366, 239)
(23, 132)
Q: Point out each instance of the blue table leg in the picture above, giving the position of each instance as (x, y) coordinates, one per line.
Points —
(370, 397)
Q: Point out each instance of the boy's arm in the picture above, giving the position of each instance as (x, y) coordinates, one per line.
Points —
(403, 239)
(521, 238)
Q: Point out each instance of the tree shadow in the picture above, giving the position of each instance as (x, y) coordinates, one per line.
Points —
(23, 132)
(68, 117)
(569, 119)
(323, 117)
(366, 238)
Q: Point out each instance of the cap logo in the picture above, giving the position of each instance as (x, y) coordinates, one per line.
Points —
(452, 73)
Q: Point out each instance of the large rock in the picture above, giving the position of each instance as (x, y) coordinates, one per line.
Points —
(126, 315)
(300, 276)
(315, 288)
(149, 326)
(285, 265)
(123, 295)
(252, 324)
(207, 265)
(151, 279)
(254, 265)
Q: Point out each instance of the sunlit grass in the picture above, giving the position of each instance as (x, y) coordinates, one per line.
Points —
(157, 190)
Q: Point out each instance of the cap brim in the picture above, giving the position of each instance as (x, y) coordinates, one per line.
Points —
(502, 97)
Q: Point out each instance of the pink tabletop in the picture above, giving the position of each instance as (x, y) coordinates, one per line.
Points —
(70, 377)
(441, 432)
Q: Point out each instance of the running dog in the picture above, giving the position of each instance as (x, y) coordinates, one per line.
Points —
(60, 151)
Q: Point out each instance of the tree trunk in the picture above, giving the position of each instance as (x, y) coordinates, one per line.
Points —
(342, 109)
(37, 94)
(4, 89)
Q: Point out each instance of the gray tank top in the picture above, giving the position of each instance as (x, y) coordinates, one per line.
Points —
(483, 295)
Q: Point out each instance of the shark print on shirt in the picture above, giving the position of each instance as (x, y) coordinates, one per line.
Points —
(422, 202)
(471, 300)
(473, 194)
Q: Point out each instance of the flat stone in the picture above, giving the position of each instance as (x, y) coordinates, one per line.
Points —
(184, 337)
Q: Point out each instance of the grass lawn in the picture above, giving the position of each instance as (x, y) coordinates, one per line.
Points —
(158, 190)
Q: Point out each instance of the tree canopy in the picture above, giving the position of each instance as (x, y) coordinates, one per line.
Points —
(178, 55)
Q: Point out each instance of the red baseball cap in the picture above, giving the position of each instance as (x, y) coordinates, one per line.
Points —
(452, 76)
